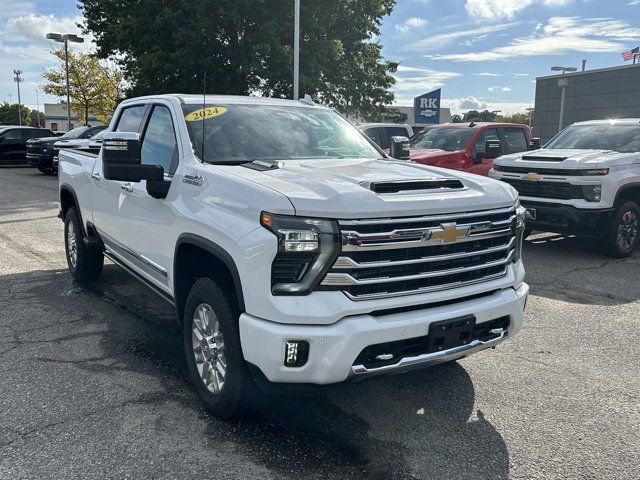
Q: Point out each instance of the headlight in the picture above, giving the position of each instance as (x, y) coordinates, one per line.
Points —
(307, 248)
(521, 217)
(592, 193)
(596, 171)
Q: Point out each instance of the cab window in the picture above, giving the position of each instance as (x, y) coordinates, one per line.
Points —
(488, 134)
(130, 119)
(516, 139)
(374, 134)
(159, 146)
(11, 134)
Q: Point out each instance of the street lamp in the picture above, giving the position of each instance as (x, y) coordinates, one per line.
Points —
(18, 79)
(66, 38)
(562, 83)
(530, 111)
(296, 50)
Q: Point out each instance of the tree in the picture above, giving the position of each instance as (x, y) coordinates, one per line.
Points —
(246, 46)
(476, 116)
(521, 117)
(33, 118)
(9, 114)
(456, 118)
(95, 88)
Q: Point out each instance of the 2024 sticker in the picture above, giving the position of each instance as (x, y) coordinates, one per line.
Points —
(204, 113)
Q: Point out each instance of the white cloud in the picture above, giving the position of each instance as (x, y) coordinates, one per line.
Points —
(435, 42)
(410, 23)
(634, 2)
(33, 28)
(560, 35)
(468, 103)
(505, 9)
(419, 79)
(463, 105)
(487, 74)
(499, 89)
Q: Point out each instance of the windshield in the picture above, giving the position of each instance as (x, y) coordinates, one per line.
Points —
(449, 139)
(98, 136)
(75, 133)
(620, 138)
(243, 133)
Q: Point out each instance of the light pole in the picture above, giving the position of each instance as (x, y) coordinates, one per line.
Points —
(530, 112)
(66, 38)
(38, 108)
(296, 50)
(562, 83)
(18, 79)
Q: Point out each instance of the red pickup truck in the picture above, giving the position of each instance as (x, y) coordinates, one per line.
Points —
(461, 146)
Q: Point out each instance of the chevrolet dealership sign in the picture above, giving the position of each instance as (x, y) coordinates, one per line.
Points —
(426, 108)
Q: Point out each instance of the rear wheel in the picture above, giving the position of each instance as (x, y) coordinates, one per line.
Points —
(212, 345)
(85, 264)
(48, 170)
(624, 233)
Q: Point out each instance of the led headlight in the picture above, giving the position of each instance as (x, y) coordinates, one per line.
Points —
(592, 193)
(307, 248)
(596, 171)
(521, 217)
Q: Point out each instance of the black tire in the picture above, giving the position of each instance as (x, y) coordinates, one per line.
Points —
(624, 232)
(48, 170)
(226, 402)
(85, 264)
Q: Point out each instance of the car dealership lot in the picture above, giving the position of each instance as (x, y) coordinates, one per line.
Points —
(92, 380)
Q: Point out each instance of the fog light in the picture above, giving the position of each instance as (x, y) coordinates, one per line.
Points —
(592, 193)
(296, 353)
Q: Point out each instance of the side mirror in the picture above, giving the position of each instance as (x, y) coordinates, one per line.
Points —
(534, 143)
(479, 157)
(121, 159)
(400, 148)
(492, 149)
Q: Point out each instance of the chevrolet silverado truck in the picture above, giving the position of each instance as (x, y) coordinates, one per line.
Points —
(293, 250)
(41, 151)
(585, 181)
(463, 146)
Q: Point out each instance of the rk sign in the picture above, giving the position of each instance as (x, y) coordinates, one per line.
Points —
(426, 108)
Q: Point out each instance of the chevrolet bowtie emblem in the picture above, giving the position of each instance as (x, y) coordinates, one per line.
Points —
(450, 233)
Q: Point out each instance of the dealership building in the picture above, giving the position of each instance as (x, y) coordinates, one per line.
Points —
(588, 95)
(55, 118)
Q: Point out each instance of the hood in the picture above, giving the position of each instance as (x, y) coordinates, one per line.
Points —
(566, 158)
(430, 156)
(43, 140)
(348, 188)
(65, 143)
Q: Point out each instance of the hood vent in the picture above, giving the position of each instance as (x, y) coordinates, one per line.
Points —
(263, 165)
(410, 186)
(542, 158)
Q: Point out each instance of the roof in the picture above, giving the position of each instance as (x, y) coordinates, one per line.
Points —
(478, 125)
(225, 99)
(587, 72)
(389, 124)
(625, 121)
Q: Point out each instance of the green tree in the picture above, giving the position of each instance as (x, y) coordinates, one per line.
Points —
(33, 118)
(246, 46)
(94, 87)
(521, 117)
(476, 116)
(456, 118)
(9, 114)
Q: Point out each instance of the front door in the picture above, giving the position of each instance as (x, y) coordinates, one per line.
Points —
(12, 148)
(146, 223)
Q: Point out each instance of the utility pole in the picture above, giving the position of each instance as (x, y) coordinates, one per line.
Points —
(38, 107)
(296, 51)
(19, 79)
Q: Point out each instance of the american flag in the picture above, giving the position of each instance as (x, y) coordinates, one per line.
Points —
(631, 54)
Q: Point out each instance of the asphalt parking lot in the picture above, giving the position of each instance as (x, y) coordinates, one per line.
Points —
(93, 382)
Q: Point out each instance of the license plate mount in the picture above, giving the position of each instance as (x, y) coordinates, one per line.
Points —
(447, 334)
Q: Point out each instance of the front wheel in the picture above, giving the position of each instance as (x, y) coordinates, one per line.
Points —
(624, 233)
(212, 345)
(48, 170)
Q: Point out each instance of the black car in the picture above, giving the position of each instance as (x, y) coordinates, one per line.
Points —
(40, 152)
(13, 142)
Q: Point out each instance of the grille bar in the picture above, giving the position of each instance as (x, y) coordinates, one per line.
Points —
(431, 218)
(557, 190)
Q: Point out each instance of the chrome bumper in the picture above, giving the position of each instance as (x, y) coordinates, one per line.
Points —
(407, 364)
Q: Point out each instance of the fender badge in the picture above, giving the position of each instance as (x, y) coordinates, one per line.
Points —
(196, 179)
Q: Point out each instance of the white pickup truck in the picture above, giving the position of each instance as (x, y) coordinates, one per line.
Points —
(294, 251)
(585, 181)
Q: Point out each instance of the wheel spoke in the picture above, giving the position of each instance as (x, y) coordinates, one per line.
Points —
(220, 368)
(209, 348)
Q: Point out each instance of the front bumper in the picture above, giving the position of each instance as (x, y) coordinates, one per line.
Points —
(567, 219)
(334, 348)
(38, 160)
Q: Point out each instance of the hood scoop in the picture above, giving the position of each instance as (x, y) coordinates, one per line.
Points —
(543, 158)
(413, 186)
(263, 165)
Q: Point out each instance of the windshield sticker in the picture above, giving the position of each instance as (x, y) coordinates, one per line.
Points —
(205, 113)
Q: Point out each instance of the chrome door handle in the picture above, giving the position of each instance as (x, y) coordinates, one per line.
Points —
(96, 176)
(127, 187)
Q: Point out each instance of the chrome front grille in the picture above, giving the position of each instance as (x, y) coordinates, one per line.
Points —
(402, 256)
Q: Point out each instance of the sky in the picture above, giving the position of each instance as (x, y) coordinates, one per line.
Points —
(482, 53)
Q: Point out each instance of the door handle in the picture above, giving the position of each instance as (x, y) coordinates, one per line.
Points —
(96, 176)
(127, 187)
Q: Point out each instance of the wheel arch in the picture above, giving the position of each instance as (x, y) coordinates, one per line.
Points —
(196, 257)
(68, 199)
(630, 191)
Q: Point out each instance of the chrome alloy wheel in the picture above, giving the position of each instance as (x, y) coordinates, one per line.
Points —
(627, 230)
(208, 347)
(72, 245)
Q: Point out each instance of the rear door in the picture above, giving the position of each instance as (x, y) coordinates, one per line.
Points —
(107, 195)
(483, 167)
(146, 222)
(515, 140)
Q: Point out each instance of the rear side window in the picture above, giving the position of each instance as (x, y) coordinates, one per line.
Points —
(130, 119)
(516, 140)
(159, 146)
(11, 134)
(374, 134)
